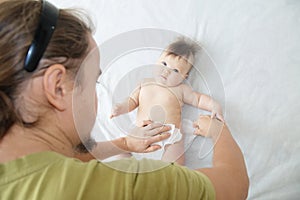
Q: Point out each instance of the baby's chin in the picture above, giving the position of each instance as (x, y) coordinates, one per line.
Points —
(161, 81)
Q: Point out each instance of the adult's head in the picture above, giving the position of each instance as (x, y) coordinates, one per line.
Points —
(42, 98)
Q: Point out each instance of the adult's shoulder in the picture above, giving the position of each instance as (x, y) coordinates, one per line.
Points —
(172, 182)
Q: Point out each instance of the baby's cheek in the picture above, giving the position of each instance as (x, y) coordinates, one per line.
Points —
(173, 81)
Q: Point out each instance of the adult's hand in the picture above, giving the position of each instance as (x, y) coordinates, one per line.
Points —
(139, 140)
(208, 127)
(143, 139)
(228, 173)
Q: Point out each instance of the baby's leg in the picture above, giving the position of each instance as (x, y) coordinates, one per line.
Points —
(175, 152)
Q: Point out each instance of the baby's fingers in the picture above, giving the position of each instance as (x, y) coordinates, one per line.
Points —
(114, 114)
(195, 124)
(199, 132)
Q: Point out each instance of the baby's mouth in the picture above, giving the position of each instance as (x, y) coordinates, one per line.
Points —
(163, 77)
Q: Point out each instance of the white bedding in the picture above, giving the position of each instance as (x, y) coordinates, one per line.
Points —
(253, 50)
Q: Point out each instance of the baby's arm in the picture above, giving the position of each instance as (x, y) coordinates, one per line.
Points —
(128, 105)
(202, 101)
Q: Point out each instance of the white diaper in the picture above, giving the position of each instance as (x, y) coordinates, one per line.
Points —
(175, 136)
(157, 155)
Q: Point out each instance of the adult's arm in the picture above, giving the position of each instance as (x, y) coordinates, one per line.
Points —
(228, 174)
(139, 140)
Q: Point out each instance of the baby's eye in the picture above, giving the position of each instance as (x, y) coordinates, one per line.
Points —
(164, 63)
(175, 70)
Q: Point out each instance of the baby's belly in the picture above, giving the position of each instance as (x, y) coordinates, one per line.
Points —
(159, 113)
(159, 104)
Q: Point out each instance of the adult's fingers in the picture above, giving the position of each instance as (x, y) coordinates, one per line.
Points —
(152, 148)
(158, 130)
(146, 122)
(200, 125)
(158, 138)
(213, 114)
(153, 126)
(220, 117)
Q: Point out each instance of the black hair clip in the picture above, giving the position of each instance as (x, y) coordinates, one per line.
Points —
(43, 34)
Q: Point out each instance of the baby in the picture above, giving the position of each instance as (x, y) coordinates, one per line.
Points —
(161, 98)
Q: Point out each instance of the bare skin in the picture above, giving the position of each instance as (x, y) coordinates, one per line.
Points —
(50, 96)
(228, 174)
(161, 99)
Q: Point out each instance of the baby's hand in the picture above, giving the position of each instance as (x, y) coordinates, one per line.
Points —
(117, 110)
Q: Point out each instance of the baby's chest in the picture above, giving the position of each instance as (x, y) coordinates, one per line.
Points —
(154, 94)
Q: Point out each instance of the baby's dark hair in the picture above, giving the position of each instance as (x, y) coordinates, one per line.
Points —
(182, 47)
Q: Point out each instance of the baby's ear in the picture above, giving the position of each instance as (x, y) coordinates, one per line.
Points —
(186, 75)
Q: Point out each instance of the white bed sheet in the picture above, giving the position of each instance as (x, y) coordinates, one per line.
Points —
(255, 47)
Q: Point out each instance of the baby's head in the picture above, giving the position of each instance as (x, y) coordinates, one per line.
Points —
(176, 61)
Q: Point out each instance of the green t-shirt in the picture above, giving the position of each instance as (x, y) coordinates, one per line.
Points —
(48, 175)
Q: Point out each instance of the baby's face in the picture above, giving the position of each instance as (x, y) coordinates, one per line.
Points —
(172, 71)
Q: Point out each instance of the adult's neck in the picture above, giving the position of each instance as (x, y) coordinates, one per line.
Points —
(20, 141)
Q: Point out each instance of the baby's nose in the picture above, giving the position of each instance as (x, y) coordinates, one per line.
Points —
(166, 71)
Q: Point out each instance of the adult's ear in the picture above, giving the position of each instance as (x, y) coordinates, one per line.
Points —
(55, 86)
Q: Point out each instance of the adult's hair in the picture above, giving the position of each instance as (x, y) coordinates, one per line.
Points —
(18, 22)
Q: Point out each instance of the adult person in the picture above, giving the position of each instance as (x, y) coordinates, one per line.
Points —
(41, 51)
